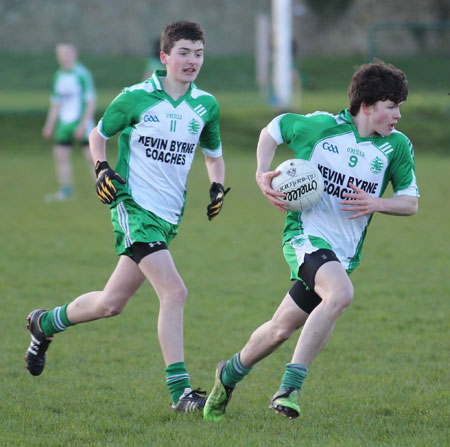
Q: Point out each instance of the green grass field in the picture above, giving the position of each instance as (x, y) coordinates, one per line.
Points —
(382, 380)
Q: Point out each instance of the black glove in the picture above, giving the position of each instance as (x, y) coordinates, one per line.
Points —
(217, 193)
(104, 187)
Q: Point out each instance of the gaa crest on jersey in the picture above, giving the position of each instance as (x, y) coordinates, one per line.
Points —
(193, 126)
(148, 119)
(376, 166)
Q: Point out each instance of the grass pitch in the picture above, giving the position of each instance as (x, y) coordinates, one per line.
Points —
(382, 380)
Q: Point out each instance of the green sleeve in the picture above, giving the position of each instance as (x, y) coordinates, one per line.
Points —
(402, 175)
(291, 127)
(119, 114)
(304, 129)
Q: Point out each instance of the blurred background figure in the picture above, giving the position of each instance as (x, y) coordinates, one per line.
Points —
(70, 117)
(153, 62)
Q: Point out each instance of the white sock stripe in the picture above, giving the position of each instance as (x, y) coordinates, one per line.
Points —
(177, 378)
(238, 366)
(235, 365)
(302, 369)
(57, 319)
(178, 375)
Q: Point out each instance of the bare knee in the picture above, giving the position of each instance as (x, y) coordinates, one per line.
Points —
(176, 296)
(340, 299)
(111, 305)
(279, 333)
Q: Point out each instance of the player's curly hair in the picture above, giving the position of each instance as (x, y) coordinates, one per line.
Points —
(183, 29)
(374, 82)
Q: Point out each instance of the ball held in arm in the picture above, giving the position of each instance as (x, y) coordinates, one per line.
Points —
(302, 183)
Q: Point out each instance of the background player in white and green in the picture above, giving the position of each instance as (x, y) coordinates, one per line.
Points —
(70, 117)
(358, 153)
(160, 122)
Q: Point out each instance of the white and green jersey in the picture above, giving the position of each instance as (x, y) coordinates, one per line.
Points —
(333, 144)
(158, 140)
(71, 90)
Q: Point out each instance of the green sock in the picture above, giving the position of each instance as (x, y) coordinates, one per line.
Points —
(55, 321)
(294, 375)
(234, 371)
(177, 379)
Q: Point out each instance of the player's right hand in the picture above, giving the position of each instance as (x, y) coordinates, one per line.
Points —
(264, 181)
(104, 187)
(217, 193)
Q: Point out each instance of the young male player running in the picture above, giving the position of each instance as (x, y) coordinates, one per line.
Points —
(161, 122)
(358, 153)
(70, 117)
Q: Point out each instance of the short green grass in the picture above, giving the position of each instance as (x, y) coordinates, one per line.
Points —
(382, 380)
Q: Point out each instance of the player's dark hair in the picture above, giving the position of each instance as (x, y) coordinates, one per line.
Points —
(374, 82)
(182, 29)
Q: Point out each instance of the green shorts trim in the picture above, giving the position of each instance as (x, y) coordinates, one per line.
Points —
(132, 223)
(296, 248)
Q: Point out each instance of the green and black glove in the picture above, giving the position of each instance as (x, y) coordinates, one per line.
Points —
(217, 193)
(104, 187)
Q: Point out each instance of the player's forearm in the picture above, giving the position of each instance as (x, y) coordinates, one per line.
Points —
(265, 152)
(97, 146)
(399, 205)
(216, 169)
(52, 115)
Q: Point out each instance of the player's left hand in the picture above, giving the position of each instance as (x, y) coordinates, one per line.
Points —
(217, 193)
(104, 187)
(359, 201)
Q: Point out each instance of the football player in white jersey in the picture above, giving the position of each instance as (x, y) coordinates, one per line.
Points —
(70, 117)
(358, 153)
(161, 121)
